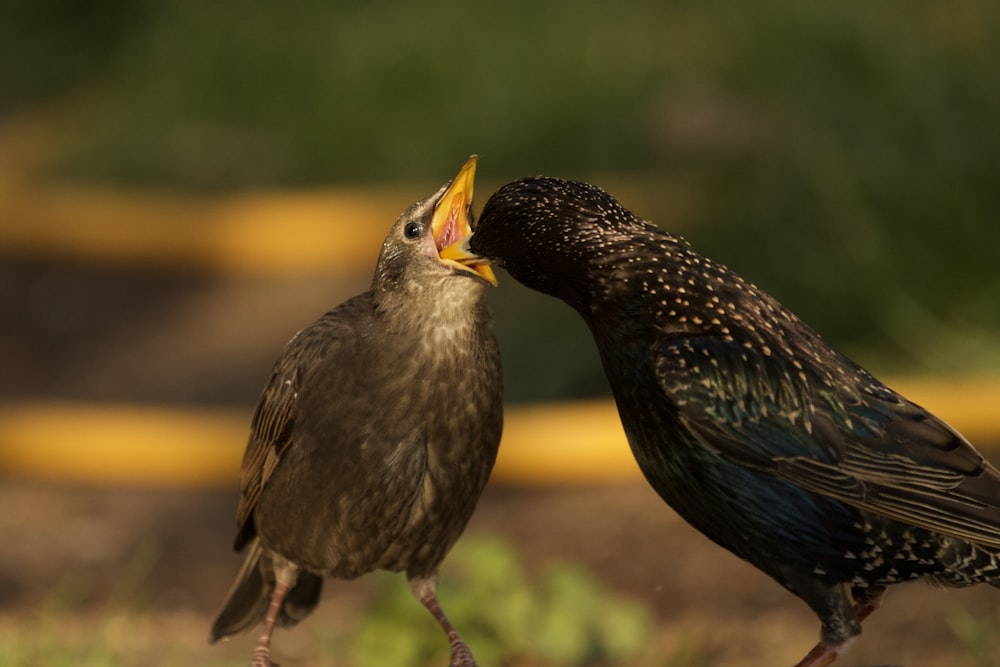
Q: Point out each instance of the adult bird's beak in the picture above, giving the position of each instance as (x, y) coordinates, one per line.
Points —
(451, 225)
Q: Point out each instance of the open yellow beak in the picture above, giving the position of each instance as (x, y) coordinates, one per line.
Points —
(451, 225)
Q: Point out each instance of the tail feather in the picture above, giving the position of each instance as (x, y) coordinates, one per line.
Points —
(248, 598)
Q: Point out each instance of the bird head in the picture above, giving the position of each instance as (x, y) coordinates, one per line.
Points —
(550, 234)
(416, 248)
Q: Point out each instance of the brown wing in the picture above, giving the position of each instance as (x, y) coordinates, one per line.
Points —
(272, 429)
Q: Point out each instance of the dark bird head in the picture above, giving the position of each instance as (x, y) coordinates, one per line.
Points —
(563, 238)
(415, 256)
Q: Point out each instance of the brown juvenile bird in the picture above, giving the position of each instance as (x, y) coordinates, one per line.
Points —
(376, 434)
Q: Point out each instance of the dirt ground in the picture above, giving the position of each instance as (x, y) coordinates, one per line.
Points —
(702, 598)
(66, 549)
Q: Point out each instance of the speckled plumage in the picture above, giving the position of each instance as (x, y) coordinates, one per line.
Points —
(374, 437)
(745, 421)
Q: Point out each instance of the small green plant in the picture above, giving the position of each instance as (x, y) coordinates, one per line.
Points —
(560, 618)
(64, 631)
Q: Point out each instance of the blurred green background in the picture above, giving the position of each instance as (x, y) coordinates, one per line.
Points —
(844, 156)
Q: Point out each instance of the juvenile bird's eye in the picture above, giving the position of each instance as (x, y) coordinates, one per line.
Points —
(413, 230)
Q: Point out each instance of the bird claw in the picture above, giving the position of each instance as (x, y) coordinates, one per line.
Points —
(262, 659)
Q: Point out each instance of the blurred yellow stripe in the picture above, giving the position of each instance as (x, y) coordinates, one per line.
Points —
(165, 446)
(121, 443)
(551, 443)
(262, 232)
(242, 233)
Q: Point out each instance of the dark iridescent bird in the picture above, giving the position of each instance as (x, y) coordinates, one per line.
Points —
(375, 435)
(745, 421)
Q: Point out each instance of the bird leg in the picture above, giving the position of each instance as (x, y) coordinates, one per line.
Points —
(425, 589)
(822, 655)
(868, 601)
(285, 574)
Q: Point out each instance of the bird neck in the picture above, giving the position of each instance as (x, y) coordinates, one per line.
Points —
(632, 281)
(443, 316)
(661, 286)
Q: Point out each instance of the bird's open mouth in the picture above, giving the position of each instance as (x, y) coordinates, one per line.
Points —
(451, 225)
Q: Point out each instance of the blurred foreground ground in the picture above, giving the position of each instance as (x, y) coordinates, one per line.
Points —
(67, 550)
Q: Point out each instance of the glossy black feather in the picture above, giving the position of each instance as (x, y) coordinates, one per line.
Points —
(744, 420)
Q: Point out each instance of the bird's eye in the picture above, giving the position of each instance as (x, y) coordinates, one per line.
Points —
(413, 230)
